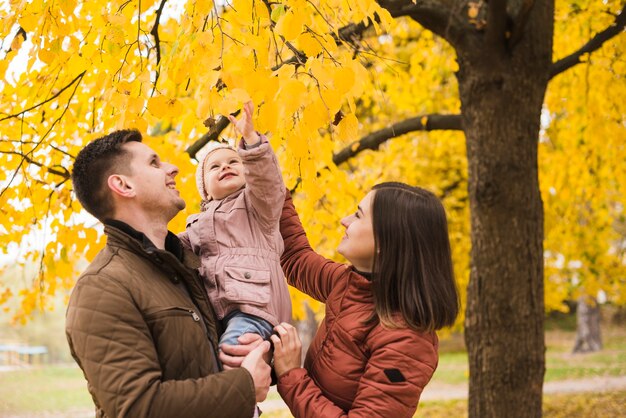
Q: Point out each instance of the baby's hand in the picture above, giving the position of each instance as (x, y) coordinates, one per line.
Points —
(244, 126)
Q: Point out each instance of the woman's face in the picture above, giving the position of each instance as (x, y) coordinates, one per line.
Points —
(357, 245)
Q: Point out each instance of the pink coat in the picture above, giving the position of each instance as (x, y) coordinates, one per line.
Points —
(239, 243)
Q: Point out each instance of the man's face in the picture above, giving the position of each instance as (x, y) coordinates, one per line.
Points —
(153, 181)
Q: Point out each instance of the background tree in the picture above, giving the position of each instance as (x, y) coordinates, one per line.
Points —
(322, 72)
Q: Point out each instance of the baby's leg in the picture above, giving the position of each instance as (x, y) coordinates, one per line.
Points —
(238, 323)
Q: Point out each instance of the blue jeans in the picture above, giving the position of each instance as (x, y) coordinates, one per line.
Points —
(238, 323)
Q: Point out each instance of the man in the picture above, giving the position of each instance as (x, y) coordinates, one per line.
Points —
(138, 322)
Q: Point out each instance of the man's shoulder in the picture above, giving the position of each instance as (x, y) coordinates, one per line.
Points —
(111, 264)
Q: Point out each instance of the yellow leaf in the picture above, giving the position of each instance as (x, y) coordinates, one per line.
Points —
(348, 128)
(472, 10)
(239, 95)
(297, 143)
(290, 25)
(309, 45)
(17, 43)
(268, 117)
(29, 21)
(316, 114)
(332, 99)
(77, 63)
(161, 107)
(46, 56)
(344, 79)
(291, 95)
(67, 7)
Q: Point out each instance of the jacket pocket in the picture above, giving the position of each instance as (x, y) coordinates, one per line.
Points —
(246, 285)
(172, 312)
(173, 328)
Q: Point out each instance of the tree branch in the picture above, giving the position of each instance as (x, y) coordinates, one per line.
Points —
(78, 78)
(24, 156)
(420, 123)
(440, 17)
(155, 31)
(594, 44)
(64, 174)
(211, 135)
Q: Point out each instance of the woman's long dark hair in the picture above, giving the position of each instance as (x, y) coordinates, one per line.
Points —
(413, 273)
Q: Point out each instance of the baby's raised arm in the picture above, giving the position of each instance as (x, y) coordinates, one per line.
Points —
(245, 126)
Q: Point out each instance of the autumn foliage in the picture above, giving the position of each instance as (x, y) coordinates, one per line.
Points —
(324, 74)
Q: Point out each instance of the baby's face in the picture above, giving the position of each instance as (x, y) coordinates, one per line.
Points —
(223, 173)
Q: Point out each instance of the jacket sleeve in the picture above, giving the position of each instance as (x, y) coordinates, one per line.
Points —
(391, 385)
(265, 189)
(184, 239)
(305, 269)
(110, 341)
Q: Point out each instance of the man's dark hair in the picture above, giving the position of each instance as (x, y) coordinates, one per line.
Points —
(93, 166)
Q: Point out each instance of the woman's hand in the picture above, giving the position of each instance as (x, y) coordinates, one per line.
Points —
(245, 126)
(287, 349)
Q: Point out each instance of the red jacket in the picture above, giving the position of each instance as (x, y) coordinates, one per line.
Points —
(353, 367)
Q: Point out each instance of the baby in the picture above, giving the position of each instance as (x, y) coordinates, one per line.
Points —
(236, 235)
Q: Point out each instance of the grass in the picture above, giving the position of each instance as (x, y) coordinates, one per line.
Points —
(42, 390)
(561, 364)
(61, 391)
(588, 405)
(600, 405)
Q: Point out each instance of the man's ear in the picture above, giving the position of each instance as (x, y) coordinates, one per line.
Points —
(120, 185)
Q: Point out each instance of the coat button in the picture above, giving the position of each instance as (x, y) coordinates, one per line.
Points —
(247, 275)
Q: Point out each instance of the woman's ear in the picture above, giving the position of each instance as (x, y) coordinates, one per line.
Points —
(120, 186)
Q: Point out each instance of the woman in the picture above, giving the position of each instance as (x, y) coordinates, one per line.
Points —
(376, 348)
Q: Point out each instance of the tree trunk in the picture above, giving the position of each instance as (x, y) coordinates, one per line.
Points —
(306, 329)
(588, 336)
(501, 93)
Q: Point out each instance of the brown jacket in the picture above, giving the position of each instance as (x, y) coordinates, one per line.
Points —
(146, 348)
(354, 367)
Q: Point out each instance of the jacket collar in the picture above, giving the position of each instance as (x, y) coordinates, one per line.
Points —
(213, 203)
(368, 276)
(121, 234)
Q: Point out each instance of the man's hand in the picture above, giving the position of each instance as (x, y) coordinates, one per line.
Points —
(287, 349)
(231, 356)
(259, 370)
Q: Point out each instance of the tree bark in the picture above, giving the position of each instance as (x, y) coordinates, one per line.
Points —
(588, 336)
(501, 93)
(307, 328)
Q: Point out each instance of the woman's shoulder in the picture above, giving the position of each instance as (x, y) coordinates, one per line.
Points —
(399, 334)
(411, 353)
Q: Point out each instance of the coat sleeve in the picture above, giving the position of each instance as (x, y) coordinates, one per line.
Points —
(110, 341)
(305, 269)
(184, 239)
(265, 189)
(391, 385)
